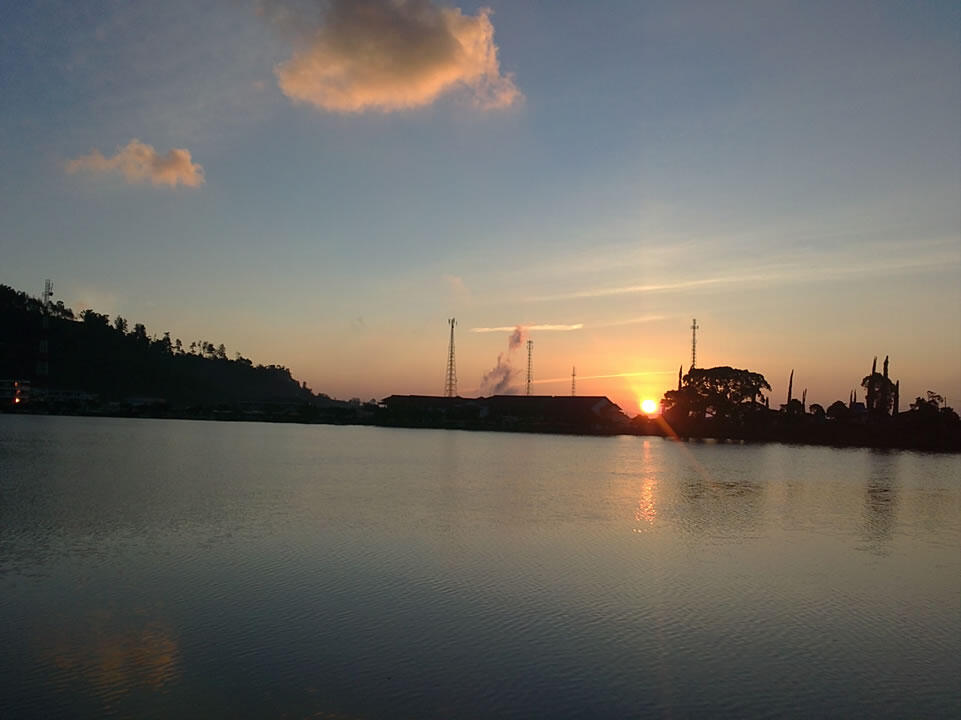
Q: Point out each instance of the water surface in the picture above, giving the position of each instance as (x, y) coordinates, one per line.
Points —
(154, 568)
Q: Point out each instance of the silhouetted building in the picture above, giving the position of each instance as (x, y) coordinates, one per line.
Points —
(507, 412)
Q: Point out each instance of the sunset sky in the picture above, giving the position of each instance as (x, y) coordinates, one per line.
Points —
(322, 184)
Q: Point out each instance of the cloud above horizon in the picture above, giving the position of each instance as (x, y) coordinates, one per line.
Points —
(387, 55)
(139, 162)
(514, 328)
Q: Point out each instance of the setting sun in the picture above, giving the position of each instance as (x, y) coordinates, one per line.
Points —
(649, 406)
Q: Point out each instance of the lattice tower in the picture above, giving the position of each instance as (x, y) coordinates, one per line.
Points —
(694, 329)
(530, 364)
(43, 356)
(450, 384)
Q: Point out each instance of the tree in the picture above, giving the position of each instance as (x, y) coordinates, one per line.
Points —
(120, 325)
(140, 333)
(164, 344)
(794, 408)
(879, 393)
(933, 408)
(925, 408)
(94, 319)
(838, 410)
(62, 311)
(721, 392)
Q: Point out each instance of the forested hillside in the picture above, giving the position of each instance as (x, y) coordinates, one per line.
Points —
(90, 353)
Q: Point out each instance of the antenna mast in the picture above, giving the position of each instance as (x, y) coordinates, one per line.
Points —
(694, 328)
(573, 378)
(43, 357)
(530, 365)
(450, 385)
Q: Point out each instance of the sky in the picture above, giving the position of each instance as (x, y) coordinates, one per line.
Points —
(322, 185)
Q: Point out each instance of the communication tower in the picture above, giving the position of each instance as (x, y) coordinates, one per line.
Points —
(43, 356)
(573, 378)
(450, 385)
(694, 329)
(530, 365)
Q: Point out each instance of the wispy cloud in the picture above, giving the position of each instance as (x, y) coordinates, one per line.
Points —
(571, 327)
(456, 287)
(807, 269)
(139, 162)
(388, 55)
(651, 288)
(644, 373)
(512, 328)
(630, 321)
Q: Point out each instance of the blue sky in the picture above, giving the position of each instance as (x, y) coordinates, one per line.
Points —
(788, 172)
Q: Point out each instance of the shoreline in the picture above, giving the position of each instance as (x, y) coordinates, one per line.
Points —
(848, 437)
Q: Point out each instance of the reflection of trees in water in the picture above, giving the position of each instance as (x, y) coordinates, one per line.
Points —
(717, 498)
(116, 657)
(880, 502)
(934, 504)
(721, 506)
(937, 507)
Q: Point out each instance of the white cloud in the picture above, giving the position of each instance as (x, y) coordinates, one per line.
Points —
(139, 162)
(456, 287)
(391, 55)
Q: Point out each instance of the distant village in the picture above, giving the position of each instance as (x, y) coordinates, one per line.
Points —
(105, 369)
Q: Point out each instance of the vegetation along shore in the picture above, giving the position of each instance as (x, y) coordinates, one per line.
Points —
(53, 361)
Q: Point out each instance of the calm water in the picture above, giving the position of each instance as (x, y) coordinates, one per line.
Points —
(171, 568)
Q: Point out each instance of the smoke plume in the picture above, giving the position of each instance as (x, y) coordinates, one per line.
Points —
(497, 380)
(515, 340)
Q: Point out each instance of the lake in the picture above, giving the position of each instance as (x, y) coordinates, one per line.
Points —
(155, 568)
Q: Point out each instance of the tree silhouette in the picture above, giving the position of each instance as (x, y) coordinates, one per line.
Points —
(94, 319)
(720, 392)
(94, 356)
(879, 390)
(838, 410)
(935, 398)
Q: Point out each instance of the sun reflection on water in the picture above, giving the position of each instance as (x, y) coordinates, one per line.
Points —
(646, 510)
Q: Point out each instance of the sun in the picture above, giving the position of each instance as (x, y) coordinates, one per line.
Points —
(649, 406)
